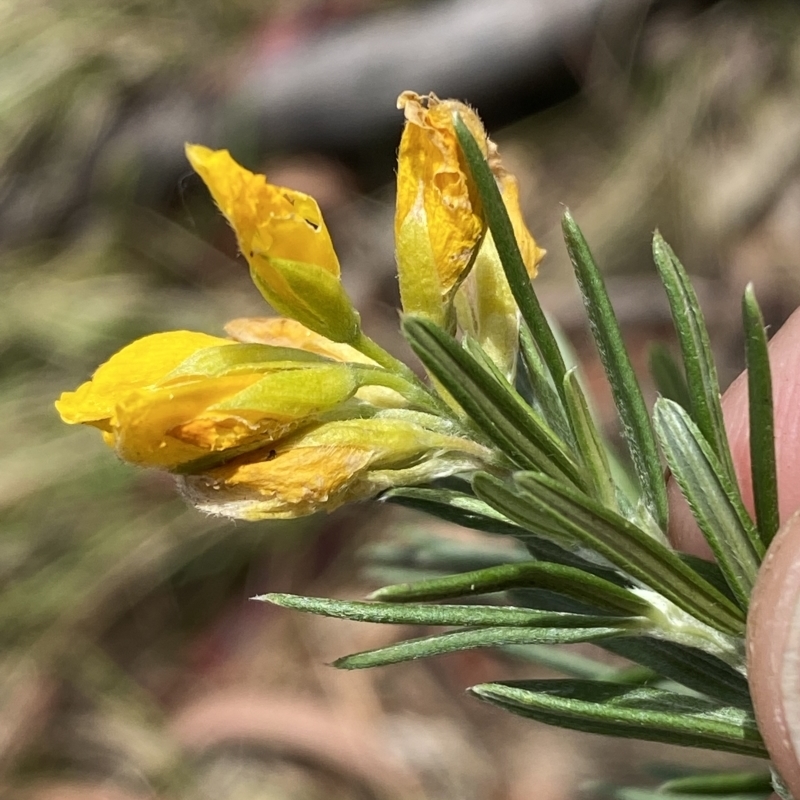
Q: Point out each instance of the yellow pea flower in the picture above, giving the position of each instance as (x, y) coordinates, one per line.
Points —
(282, 235)
(437, 224)
(172, 398)
(328, 465)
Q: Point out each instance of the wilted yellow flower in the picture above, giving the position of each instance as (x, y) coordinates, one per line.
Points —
(438, 222)
(437, 226)
(172, 398)
(282, 235)
(328, 465)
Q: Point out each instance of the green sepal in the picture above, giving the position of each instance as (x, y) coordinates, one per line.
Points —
(539, 503)
(698, 359)
(715, 503)
(493, 405)
(314, 297)
(762, 418)
(639, 713)
(234, 359)
(507, 248)
(637, 429)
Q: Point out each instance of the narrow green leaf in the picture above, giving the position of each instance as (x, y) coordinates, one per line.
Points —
(507, 248)
(639, 713)
(471, 639)
(698, 359)
(453, 506)
(715, 504)
(636, 427)
(495, 407)
(668, 375)
(545, 397)
(658, 794)
(590, 443)
(762, 421)
(693, 668)
(419, 614)
(535, 497)
(569, 581)
(563, 660)
(720, 783)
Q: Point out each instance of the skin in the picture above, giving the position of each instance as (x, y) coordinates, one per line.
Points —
(773, 626)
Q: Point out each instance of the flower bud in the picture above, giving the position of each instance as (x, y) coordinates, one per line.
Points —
(282, 235)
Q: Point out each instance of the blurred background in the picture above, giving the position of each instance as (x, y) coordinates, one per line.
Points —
(132, 664)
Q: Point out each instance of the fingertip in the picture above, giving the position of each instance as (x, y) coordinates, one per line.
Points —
(773, 652)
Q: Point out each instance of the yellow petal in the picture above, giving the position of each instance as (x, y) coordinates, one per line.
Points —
(268, 220)
(142, 363)
(434, 194)
(283, 332)
(321, 468)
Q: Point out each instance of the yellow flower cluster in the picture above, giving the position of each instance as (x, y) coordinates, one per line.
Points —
(303, 412)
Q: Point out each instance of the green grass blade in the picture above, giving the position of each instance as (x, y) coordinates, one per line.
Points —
(585, 587)
(638, 713)
(636, 426)
(716, 504)
(507, 248)
(668, 375)
(762, 419)
(472, 639)
(698, 359)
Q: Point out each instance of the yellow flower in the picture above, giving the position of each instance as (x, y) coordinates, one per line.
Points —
(172, 398)
(282, 235)
(438, 221)
(437, 226)
(328, 465)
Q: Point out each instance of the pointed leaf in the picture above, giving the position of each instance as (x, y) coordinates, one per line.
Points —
(762, 422)
(717, 506)
(471, 639)
(419, 614)
(590, 444)
(507, 248)
(495, 407)
(668, 375)
(638, 713)
(537, 498)
(721, 783)
(693, 668)
(698, 359)
(572, 582)
(636, 427)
